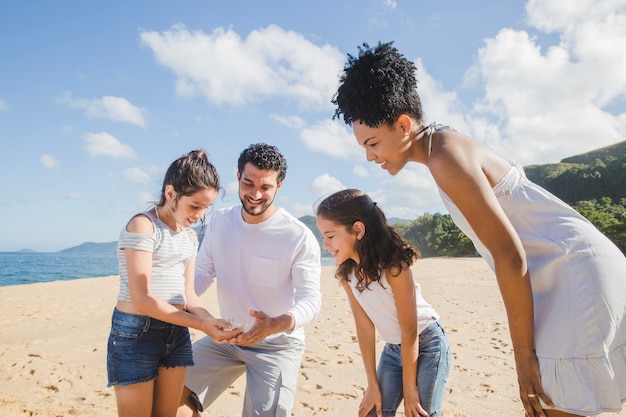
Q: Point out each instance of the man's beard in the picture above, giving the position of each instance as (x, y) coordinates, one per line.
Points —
(258, 210)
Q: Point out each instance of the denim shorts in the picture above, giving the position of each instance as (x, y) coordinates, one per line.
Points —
(139, 345)
(433, 367)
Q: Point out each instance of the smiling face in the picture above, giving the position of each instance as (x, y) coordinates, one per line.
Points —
(388, 146)
(257, 189)
(340, 240)
(189, 209)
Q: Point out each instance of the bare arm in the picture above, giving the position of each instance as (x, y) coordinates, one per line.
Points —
(458, 165)
(139, 268)
(403, 288)
(366, 335)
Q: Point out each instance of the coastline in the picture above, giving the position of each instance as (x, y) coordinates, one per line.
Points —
(53, 347)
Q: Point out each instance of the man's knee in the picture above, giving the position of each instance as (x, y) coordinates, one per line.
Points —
(190, 405)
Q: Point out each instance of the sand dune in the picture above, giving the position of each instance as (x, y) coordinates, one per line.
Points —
(53, 348)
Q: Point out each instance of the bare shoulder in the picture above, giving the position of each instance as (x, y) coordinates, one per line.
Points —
(450, 143)
(399, 278)
(455, 155)
(140, 224)
(452, 153)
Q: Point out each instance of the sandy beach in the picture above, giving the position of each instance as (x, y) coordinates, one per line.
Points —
(53, 348)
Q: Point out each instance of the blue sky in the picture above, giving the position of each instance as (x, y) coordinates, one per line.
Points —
(97, 98)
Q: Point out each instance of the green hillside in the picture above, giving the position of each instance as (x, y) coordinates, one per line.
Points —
(614, 151)
(594, 183)
(594, 175)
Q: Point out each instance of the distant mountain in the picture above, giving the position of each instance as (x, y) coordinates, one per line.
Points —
(311, 223)
(92, 247)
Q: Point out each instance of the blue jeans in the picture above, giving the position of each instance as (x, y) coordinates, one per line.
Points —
(139, 345)
(433, 367)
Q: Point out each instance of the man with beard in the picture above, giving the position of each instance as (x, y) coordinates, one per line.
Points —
(266, 265)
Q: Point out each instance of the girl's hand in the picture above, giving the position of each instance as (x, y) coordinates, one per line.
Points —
(412, 405)
(371, 398)
(220, 330)
(530, 388)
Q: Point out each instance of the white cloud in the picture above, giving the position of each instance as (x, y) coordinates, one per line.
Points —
(439, 105)
(540, 103)
(231, 191)
(402, 194)
(108, 107)
(103, 144)
(552, 103)
(73, 195)
(331, 137)
(391, 4)
(269, 63)
(137, 175)
(50, 162)
(3, 105)
(360, 171)
(294, 122)
(296, 209)
(565, 15)
(324, 185)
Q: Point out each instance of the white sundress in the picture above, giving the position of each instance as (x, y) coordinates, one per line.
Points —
(578, 280)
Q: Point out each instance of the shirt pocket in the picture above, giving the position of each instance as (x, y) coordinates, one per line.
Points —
(264, 271)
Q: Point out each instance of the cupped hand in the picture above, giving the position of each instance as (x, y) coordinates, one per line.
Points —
(260, 329)
(220, 330)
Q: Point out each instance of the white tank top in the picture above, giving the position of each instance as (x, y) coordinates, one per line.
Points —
(380, 305)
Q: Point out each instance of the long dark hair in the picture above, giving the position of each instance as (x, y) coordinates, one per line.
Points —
(381, 248)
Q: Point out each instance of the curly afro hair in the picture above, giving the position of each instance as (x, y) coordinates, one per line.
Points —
(377, 86)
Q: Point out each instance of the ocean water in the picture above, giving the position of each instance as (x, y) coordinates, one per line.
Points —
(29, 267)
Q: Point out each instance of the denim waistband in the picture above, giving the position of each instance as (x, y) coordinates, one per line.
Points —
(147, 322)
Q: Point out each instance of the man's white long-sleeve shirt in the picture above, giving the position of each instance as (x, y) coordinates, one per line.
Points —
(273, 267)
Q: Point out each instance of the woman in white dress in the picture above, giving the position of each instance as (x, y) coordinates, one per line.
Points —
(563, 282)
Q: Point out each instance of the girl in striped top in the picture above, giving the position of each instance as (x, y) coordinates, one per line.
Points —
(149, 344)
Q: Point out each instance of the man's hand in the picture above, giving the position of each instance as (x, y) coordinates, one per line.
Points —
(263, 327)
